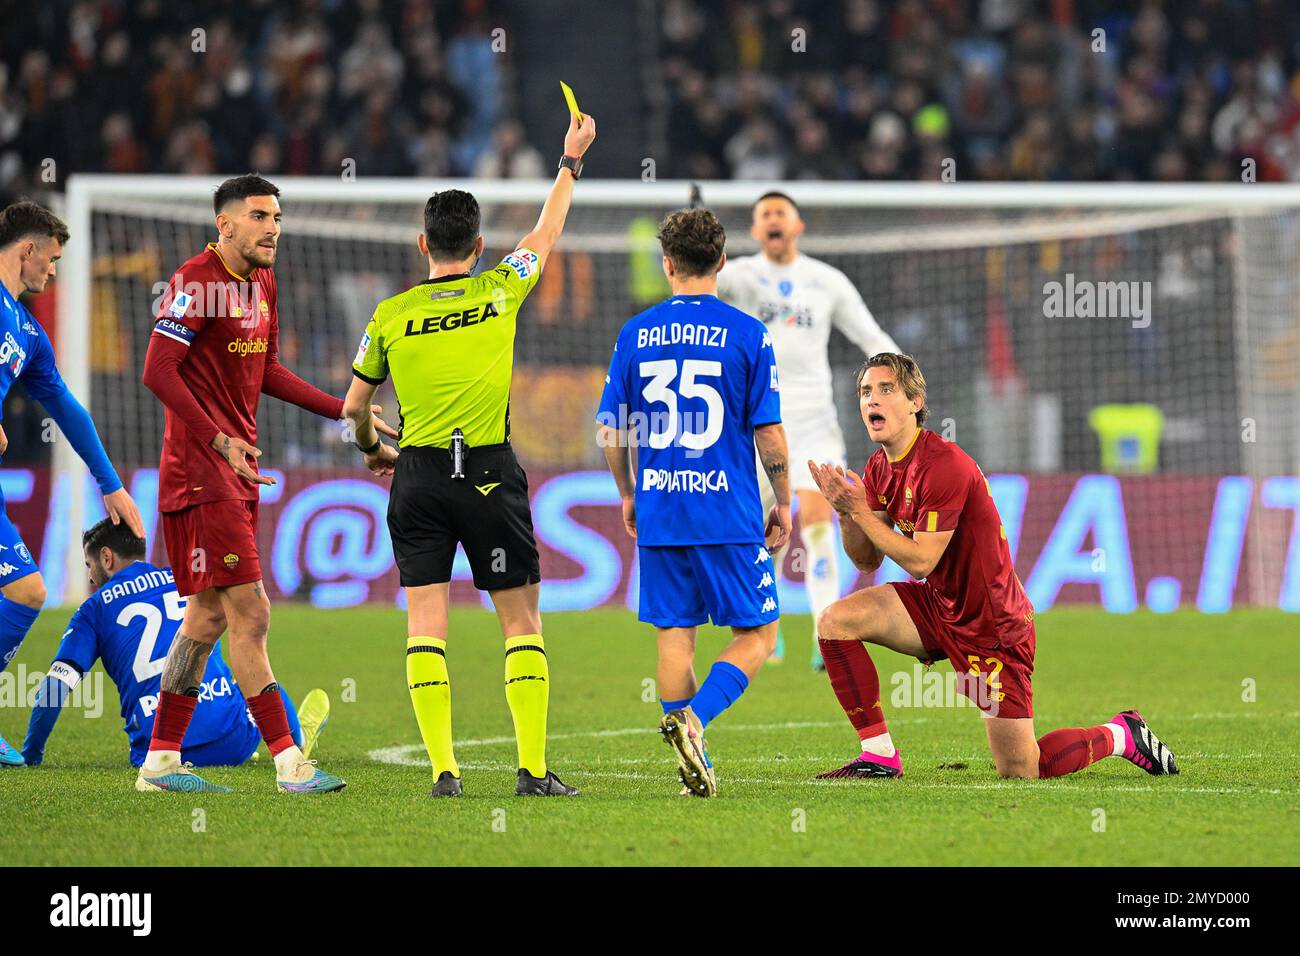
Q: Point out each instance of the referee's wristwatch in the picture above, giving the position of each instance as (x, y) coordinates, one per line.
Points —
(373, 448)
(573, 164)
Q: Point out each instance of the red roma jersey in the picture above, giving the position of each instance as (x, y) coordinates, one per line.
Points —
(230, 324)
(935, 486)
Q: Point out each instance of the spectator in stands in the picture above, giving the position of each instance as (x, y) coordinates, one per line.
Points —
(510, 156)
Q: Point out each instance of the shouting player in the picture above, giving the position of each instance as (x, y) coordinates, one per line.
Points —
(213, 353)
(800, 299)
(693, 388)
(31, 242)
(970, 607)
(130, 622)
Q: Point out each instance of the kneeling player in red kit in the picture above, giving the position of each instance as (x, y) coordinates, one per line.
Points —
(970, 608)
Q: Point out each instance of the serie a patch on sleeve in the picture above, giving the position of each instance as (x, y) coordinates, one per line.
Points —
(180, 304)
(362, 349)
(523, 261)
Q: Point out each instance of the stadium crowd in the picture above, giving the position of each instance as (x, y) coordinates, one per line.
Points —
(763, 89)
(403, 88)
(1010, 89)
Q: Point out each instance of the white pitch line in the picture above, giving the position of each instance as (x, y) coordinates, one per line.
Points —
(800, 725)
(1011, 786)
(414, 755)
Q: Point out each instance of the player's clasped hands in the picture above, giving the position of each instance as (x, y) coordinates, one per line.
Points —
(842, 489)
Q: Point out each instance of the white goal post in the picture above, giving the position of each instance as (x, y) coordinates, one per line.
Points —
(940, 265)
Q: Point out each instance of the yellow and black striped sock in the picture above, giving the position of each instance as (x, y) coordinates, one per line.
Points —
(528, 684)
(430, 686)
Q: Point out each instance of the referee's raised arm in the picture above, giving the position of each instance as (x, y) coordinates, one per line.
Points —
(447, 343)
(582, 130)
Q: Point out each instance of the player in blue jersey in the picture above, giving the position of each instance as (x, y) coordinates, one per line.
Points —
(129, 622)
(692, 388)
(31, 242)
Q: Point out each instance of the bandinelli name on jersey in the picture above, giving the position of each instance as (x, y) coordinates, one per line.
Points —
(137, 585)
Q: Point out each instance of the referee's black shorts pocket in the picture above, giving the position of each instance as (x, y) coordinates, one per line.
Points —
(419, 522)
(495, 523)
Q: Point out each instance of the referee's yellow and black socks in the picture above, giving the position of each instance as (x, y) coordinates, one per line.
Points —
(528, 683)
(426, 677)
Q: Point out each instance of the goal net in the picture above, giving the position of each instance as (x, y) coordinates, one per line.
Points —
(1123, 362)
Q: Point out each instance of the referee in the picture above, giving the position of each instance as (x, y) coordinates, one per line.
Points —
(448, 343)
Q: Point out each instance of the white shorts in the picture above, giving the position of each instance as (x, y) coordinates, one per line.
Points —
(818, 438)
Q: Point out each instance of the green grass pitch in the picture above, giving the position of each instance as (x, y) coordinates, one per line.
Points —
(1235, 803)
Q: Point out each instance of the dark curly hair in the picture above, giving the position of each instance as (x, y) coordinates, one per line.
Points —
(29, 220)
(116, 537)
(694, 240)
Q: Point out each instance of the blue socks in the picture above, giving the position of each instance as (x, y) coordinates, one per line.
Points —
(15, 621)
(722, 688)
(670, 705)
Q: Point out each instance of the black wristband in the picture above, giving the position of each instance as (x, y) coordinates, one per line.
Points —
(373, 448)
(573, 164)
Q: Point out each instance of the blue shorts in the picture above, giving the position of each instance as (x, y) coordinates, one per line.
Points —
(15, 560)
(685, 586)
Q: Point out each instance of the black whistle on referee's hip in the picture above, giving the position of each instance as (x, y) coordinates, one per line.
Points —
(458, 454)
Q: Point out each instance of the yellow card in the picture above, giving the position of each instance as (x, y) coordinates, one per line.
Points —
(568, 98)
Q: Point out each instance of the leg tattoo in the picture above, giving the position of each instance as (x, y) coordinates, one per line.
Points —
(183, 670)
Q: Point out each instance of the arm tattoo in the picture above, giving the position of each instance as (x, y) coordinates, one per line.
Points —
(774, 466)
(257, 588)
(225, 448)
(183, 669)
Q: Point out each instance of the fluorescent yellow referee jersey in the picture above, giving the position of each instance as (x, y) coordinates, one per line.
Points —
(449, 345)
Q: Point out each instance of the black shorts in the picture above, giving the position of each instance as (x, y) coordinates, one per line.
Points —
(429, 513)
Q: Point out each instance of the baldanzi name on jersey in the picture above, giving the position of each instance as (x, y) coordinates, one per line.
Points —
(677, 333)
(246, 347)
(450, 321)
(661, 479)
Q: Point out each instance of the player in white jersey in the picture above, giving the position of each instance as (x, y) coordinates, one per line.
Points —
(799, 300)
